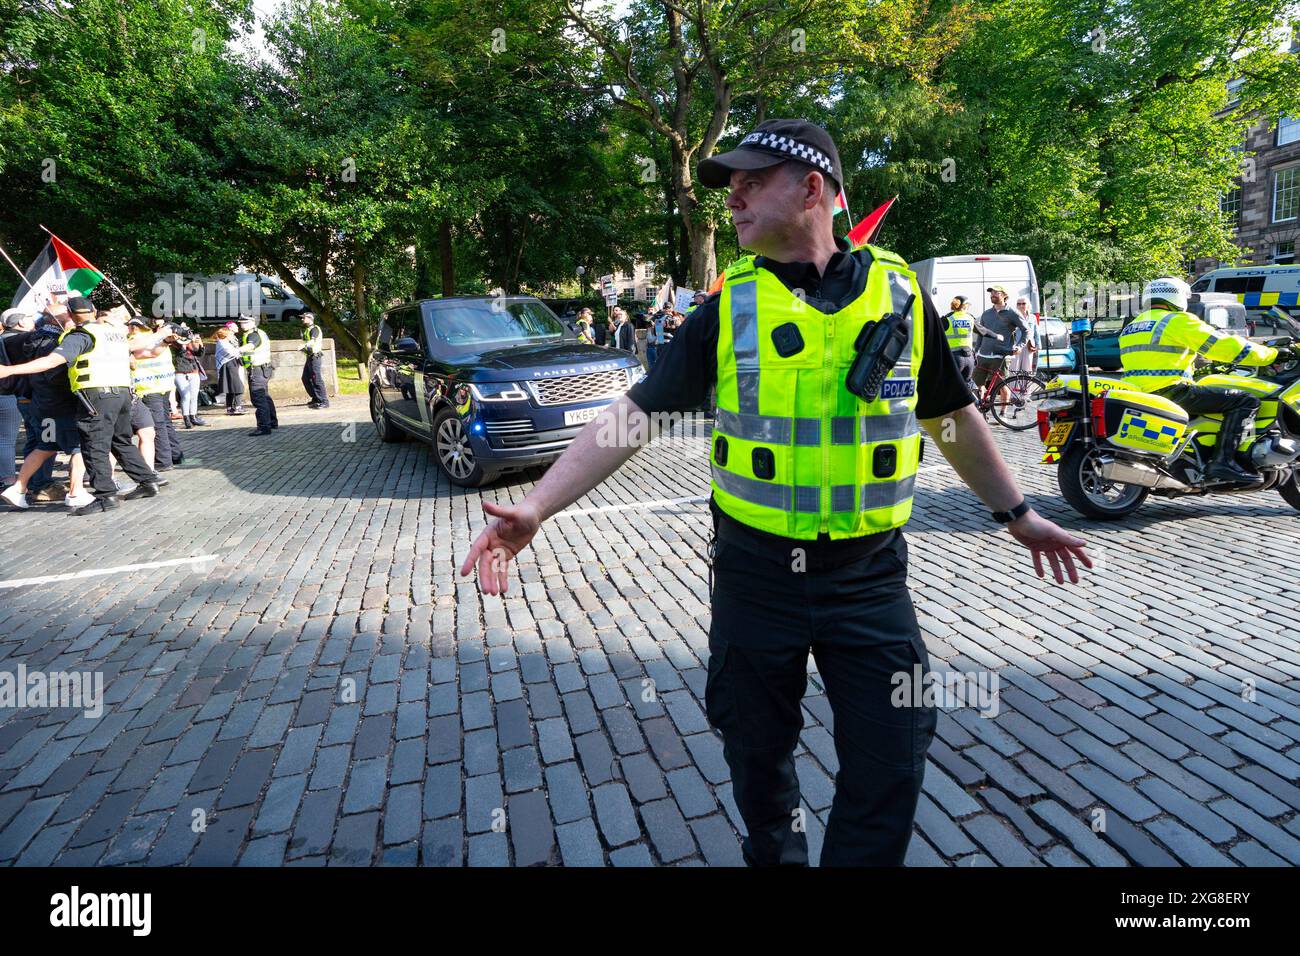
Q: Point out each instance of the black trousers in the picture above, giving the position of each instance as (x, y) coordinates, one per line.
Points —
(313, 381)
(109, 431)
(259, 385)
(965, 359)
(858, 621)
(1201, 399)
(166, 443)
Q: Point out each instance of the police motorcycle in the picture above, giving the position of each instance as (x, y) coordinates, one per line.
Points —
(1117, 446)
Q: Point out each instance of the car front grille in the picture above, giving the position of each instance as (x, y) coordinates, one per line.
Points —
(573, 389)
(514, 426)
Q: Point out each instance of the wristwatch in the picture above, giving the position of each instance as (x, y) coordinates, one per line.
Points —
(1005, 517)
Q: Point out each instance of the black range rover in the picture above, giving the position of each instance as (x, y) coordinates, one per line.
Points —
(494, 384)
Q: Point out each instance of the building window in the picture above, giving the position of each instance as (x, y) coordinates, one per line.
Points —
(1286, 194)
(1288, 130)
(1230, 206)
(1284, 253)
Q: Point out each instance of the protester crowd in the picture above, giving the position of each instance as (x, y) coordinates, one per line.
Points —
(618, 330)
(89, 386)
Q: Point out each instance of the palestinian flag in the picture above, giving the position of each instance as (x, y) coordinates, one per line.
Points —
(866, 230)
(841, 203)
(58, 269)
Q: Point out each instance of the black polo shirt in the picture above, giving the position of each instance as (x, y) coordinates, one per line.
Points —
(687, 367)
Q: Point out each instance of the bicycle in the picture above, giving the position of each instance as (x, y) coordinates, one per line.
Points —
(1013, 399)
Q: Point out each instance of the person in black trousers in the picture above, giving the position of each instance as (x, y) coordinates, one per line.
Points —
(256, 346)
(153, 377)
(99, 363)
(313, 347)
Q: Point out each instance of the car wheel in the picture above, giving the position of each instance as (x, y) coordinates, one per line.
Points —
(386, 430)
(455, 455)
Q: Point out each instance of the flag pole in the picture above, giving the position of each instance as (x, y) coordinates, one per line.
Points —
(112, 285)
(21, 276)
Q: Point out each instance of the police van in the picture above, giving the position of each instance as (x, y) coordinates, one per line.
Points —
(1259, 289)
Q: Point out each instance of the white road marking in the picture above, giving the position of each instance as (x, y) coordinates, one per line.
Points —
(632, 507)
(209, 559)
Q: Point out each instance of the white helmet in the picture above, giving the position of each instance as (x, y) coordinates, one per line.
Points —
(1173, 292)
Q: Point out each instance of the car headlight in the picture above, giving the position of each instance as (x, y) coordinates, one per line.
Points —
(635, 375)
(498, 391)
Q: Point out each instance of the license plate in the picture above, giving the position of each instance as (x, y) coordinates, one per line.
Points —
(1058, 434)
(580, 416)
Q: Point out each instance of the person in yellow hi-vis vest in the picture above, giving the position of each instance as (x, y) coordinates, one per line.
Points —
(99, 374)
(812, 482)
(256, 346)
(1158, 350)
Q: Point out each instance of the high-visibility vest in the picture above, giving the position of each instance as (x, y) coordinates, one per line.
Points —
(794, 452)
(106, 364)
(961, 329)
(312, 336)
(1159, 348)
(261, 354)
(154, 375)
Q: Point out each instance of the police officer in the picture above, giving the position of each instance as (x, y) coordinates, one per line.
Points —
(99, 372)
(153, 376)
(959, 329)
(810, 487)
(257, 359)
(1159, 349)
(313, 346)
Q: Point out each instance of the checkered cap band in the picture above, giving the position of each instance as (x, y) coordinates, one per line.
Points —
(792, 147)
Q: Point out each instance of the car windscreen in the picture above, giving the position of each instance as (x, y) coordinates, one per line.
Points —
(478, 325)
(1108, 324)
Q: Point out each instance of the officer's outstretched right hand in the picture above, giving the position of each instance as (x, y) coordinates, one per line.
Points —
(510, 531)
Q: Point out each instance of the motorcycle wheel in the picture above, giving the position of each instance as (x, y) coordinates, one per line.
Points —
(1291, 490)
(1090, 494)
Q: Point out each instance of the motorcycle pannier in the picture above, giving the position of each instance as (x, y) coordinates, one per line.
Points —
(1143, 423)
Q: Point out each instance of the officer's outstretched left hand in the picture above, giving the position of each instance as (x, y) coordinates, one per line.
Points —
(510, 531)
(1041, 537)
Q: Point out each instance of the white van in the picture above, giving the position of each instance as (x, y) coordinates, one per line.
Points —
(220, 298)
(946, 276)
(1259, 289)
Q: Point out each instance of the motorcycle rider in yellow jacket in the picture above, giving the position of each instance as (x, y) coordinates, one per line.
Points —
(1159, 348)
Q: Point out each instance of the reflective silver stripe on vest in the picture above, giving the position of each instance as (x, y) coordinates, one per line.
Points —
(769, 429)
(767, 494)
(900, 289)
(842, 430)
(887, 427)
(807, 498)
(1159, 330)
(886, 494)
(841, 498)
(807, 431)
(744, 343)
(1173, 349)
(1209, 343)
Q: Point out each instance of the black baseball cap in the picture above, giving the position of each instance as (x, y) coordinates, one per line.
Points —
(79, 303)
(772, 142)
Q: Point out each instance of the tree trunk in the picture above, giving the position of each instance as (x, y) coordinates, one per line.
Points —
(448, 262)
(704, 264)
(363, 324)
(324, 314)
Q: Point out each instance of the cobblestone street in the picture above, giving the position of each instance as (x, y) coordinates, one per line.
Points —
(1139, 723)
